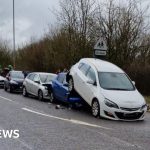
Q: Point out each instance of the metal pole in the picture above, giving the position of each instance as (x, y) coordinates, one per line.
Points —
(14, 46)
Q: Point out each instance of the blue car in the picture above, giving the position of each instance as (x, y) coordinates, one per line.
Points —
(60, 91)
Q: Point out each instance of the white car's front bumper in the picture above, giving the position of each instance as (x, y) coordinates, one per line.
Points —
(121, 114)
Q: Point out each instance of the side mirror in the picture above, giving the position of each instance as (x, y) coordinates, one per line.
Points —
(133, 82)
(38, 82)
(90, 82)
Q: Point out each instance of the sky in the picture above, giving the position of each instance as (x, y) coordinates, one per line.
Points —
(32, 18)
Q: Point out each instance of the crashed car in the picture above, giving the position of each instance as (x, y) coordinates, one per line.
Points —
(38, 84)
(107, 89)
(14, 81)
(60, 91)
(2, 79)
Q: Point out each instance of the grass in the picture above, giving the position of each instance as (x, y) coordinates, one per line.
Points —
(147, 98)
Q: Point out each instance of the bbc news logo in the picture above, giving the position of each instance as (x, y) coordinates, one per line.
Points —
(9, 134)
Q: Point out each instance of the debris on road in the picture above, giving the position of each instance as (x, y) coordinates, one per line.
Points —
(59, 107)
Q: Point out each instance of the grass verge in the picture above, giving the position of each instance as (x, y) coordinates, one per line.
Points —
(147, 98)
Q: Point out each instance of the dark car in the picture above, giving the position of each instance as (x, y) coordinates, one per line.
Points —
(60, 91)
(2, 79)
(14, 81)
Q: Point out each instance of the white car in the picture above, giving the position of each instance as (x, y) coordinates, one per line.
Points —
(38, 84)
(2, 79)
(107, 89)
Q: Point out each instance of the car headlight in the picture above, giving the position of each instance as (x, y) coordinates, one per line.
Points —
(144, 106)
(110, 103)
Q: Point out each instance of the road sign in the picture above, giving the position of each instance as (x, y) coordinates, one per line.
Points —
(100, 48)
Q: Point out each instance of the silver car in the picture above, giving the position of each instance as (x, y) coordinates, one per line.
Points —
(38, 84)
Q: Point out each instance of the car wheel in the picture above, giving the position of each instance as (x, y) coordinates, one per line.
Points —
(70, 85)
(5, 88)
(40, 95)
(25, 94)
(95, 108)
(10, 89)
(52, 97)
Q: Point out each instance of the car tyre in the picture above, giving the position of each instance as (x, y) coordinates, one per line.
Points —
(52, 97)
(5, 88)
(25, 93)
(96, 108)
(40, 95)
(10, 89)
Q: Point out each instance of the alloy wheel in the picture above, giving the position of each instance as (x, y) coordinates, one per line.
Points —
(95, 108)
(24, 91)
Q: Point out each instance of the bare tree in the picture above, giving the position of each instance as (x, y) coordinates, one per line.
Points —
(76, 17)
(122, 26)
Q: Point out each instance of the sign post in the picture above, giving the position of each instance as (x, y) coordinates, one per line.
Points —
(100, 49)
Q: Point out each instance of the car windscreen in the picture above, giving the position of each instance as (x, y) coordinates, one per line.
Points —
(17, 75)
(46, 78)
(115, 81)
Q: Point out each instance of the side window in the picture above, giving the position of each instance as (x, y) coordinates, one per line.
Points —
(31, 76)
(60, 78)
(91, 75)
(80, 65)
(36, 78)
(84, 68)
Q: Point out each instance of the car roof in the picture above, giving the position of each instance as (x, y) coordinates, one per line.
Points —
(62, 73)
(43, 73)
(15, 71)
(102, 66)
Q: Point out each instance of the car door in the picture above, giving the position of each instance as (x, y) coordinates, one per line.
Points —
(64, 90)
(81, 80)
(57, 85)
(35, 85)
(29, 82)
(90, 88)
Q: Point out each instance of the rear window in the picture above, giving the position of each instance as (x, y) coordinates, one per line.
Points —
(17, 74)
(46, 78)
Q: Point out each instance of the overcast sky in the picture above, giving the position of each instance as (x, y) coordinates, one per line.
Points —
(32, 18)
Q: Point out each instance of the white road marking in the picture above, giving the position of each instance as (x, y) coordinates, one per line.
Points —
(59, 118)
(6, 99)
(65, 119)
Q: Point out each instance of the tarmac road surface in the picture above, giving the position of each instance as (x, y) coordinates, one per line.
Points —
(42, 127)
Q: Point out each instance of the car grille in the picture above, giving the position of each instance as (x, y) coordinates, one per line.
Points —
(130, 109)
(129, 116)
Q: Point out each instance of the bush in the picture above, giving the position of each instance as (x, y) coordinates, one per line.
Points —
(141, 76)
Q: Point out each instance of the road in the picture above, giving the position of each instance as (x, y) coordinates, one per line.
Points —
(43, 127)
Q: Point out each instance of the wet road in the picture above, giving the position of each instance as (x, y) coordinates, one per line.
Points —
(42, 127)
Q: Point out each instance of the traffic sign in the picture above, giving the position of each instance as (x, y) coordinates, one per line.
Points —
(100, 49)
